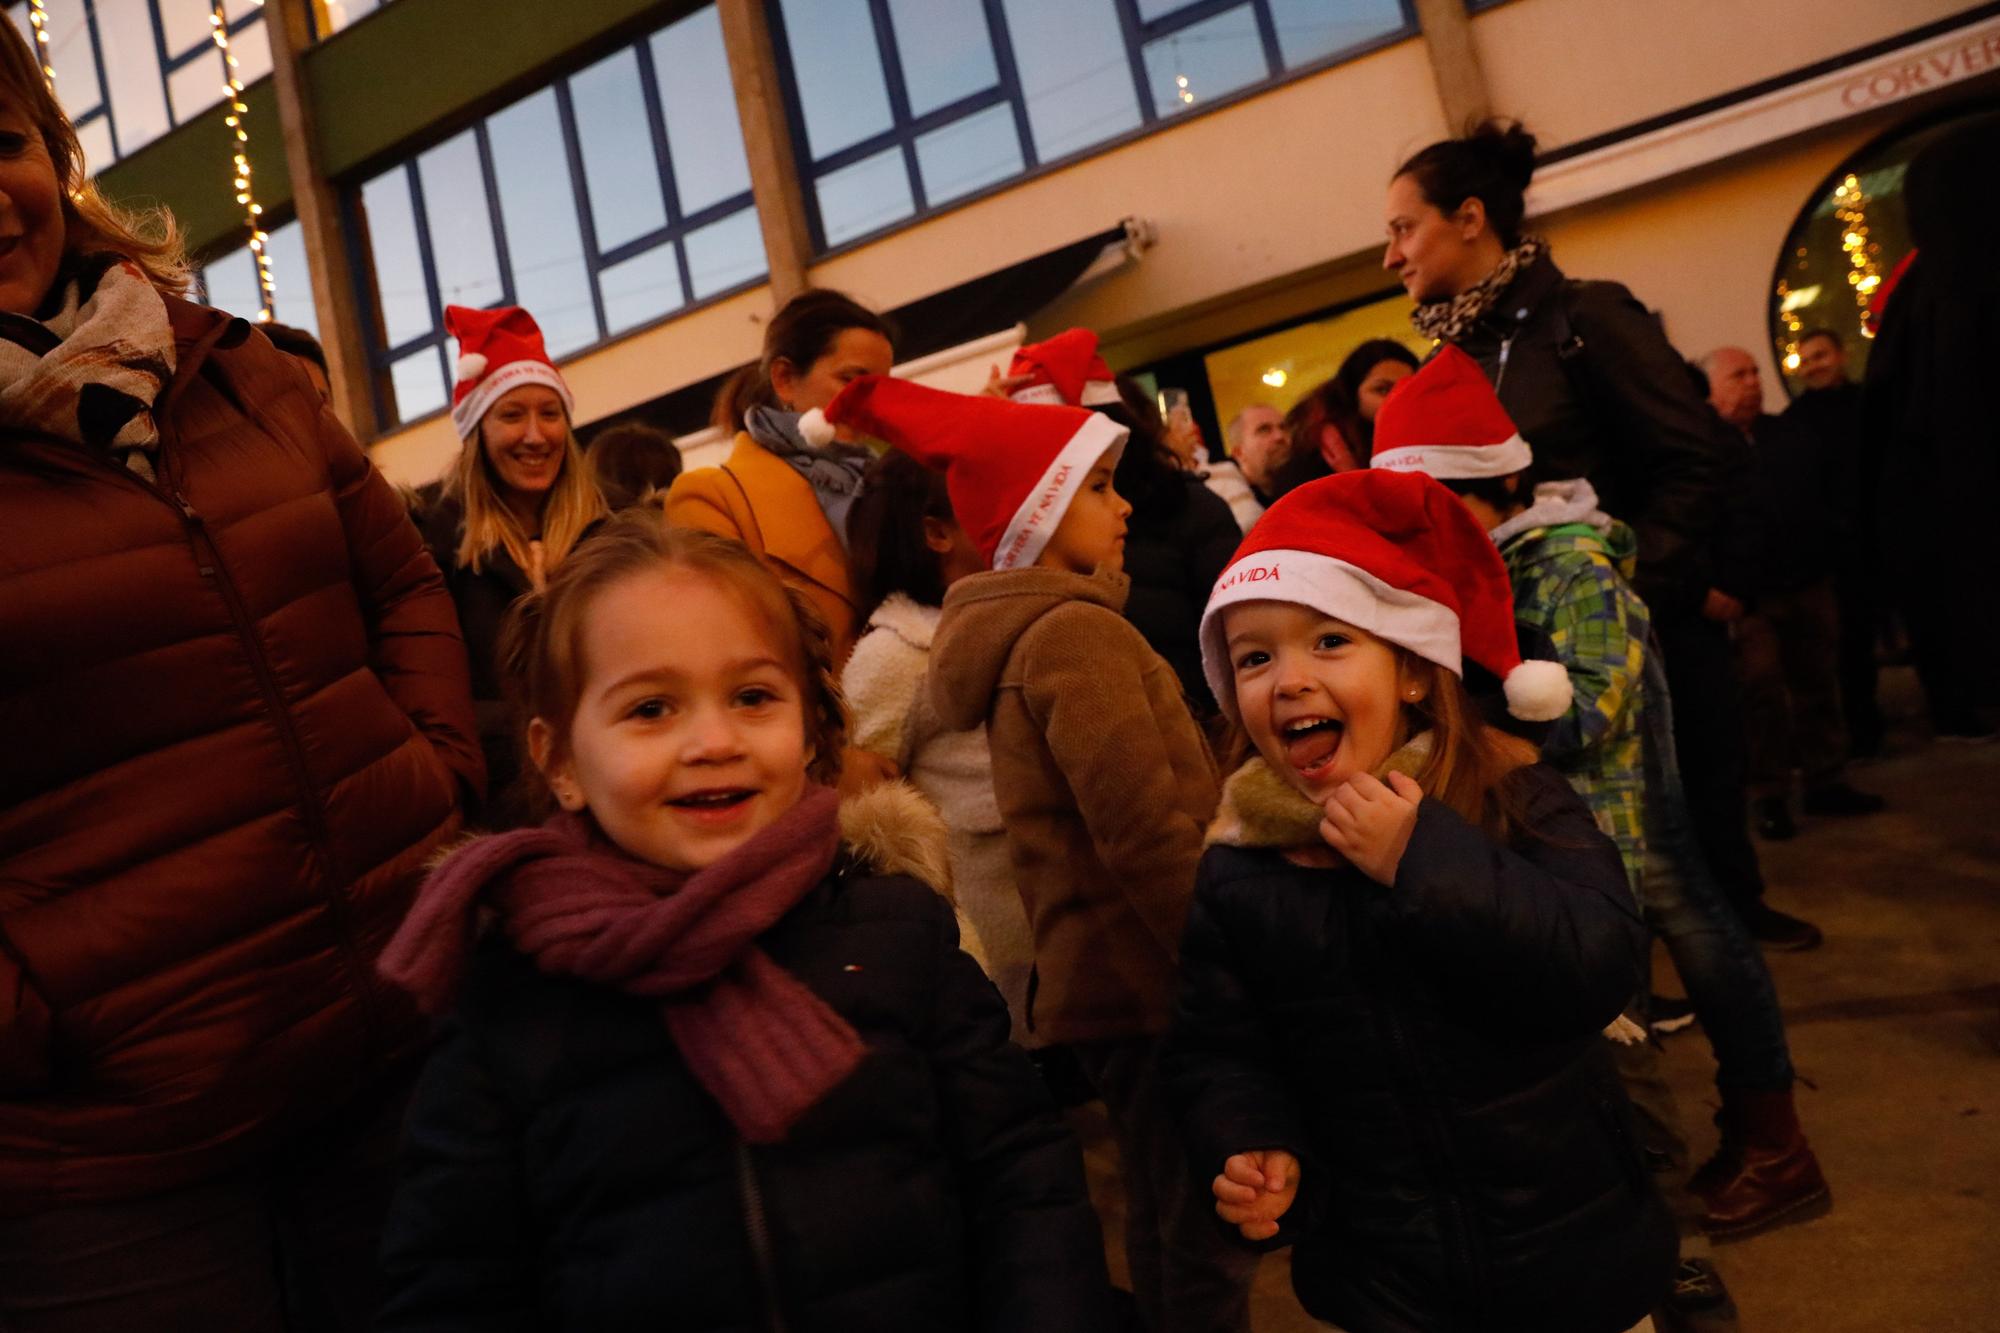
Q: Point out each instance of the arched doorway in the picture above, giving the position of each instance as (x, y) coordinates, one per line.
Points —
(1847, 241)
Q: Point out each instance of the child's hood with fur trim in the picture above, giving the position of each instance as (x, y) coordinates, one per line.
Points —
(893, 830)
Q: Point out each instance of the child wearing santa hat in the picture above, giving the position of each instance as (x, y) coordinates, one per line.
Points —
(1103, 780)
(1570, 565)
(1180, 533)
(1406, 938)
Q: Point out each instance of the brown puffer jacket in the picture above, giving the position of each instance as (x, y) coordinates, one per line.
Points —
(236, 720)
(1104, 782)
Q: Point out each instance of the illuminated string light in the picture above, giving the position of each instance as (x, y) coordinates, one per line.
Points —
(1186, 93)
(38, 17)
(253, 212)
(1864, 275)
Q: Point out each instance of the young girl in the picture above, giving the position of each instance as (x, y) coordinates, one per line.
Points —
(716, 1063)
(1405, 944)
(907, 550)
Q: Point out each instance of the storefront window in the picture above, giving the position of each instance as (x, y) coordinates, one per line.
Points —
(1844, 246)
(128, 71)
(1282, 367)
(903, 106)
(607, 201)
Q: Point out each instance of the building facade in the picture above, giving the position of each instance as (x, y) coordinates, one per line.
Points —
(1199, 180)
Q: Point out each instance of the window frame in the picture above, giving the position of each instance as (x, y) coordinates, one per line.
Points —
(675, 231)
(904, 130)
(166, 63)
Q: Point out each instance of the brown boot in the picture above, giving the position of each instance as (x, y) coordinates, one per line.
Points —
(1765, 1171)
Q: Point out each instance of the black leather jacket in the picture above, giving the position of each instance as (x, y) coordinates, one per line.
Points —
(1596, 389)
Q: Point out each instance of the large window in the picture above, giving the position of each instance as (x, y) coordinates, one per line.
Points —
(903, 106)
(230, 282)
(602, 203)
(128, 71)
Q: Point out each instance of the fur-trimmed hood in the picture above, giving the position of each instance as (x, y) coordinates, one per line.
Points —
(1261, 809)
(894, 830)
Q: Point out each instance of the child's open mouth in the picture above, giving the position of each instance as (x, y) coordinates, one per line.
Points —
(1311, 743)
(715, 804)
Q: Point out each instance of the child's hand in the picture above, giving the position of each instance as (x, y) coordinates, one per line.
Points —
(1370, 823)
(1255, 1189)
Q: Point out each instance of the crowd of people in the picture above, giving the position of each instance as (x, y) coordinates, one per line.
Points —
(589, 894)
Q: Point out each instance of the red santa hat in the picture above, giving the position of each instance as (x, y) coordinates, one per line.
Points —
(498, 350)
(1011, 469)
(1065, 369)
(1446, 420)
(1397, 555)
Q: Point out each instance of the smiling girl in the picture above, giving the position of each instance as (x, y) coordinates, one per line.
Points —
(717, 1061)
(1405, 940)
(520, 498)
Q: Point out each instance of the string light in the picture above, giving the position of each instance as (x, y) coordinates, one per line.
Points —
(253, 212)
(38, 16)
(1187, 94)
(1864, 275)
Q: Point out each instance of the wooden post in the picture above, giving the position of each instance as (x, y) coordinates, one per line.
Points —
(767, 143)
(1461, 84)
(335, 298)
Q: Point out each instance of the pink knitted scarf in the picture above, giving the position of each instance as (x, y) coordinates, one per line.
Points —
(762, 1044)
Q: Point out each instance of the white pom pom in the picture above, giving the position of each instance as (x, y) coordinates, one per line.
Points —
(1538, 691)
(815, 429)
(471, 366)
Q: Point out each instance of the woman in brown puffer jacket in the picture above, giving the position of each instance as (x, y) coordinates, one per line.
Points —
(237, 723)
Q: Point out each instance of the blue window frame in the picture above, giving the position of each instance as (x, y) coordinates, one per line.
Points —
(129, 71)
(900, 107)
(229, 282)
(612, 198)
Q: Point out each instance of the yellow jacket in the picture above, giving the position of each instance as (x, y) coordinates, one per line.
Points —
(757, 498)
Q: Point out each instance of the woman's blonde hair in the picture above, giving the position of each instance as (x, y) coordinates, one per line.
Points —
(92, 224)
(571, 506)
(541, 644)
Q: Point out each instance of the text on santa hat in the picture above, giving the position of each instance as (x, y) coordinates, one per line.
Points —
(1050, 494)
(1254, 574)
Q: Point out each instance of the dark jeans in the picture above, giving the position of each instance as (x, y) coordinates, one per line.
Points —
(1788, 651)
(1708, 733)
(1718, 962)
(1187, 1275)
(289, 1248)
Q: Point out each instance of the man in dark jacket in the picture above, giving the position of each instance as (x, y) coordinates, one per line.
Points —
(1830, 410)
(1786, 642)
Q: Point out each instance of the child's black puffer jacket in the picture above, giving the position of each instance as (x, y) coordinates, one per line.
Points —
(1432, 1053)
(564, 1170)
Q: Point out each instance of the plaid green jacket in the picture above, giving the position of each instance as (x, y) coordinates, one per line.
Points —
(1572, 582)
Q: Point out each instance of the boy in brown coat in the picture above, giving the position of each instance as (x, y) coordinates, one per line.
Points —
(1102, 777)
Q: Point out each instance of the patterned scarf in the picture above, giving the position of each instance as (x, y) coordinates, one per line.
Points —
(91, 372)
(834, 472)
(762, 1044)
(1450, 320)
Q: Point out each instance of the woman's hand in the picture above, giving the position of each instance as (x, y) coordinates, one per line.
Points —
(1370, 823)
(1255, 1189)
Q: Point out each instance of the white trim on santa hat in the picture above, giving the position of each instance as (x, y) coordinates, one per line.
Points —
(1096, 393)
(466, 412)
(1333, 588)
(1039, 515)
(1458, 462)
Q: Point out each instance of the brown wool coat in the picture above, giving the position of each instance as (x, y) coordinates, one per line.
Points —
(761, 500)
(237, 723)
(1104, 782)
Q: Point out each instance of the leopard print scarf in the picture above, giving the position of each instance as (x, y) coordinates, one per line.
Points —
(1450, 320)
